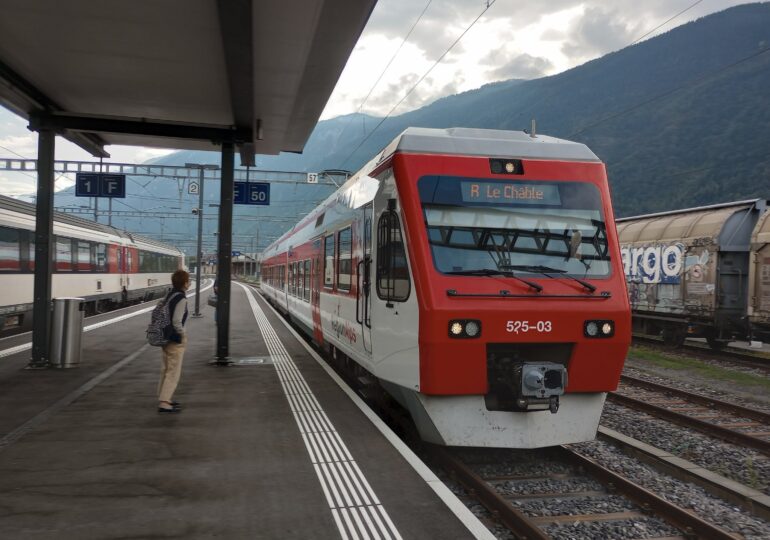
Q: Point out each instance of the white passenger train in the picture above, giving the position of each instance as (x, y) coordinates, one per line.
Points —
(476, 276)
(104, 265)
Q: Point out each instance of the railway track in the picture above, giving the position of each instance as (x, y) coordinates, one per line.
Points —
(726, 421)
(758, 361)
(598, 500)
(749, 499)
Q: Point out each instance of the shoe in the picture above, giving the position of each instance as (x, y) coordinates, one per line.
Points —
(171, 410)
(176, 404)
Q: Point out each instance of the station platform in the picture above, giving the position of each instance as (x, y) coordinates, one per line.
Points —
(269, 448)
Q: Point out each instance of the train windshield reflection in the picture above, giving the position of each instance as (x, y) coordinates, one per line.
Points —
(477, 225)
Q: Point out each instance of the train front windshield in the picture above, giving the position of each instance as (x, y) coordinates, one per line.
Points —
(483, 226)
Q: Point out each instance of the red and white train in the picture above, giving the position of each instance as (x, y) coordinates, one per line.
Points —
(476, 274)
(104, 265)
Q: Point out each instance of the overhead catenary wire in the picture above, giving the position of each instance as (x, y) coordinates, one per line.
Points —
(664, 23)
(693, 82)
(409, 92)
(555, 91)
(382, 73)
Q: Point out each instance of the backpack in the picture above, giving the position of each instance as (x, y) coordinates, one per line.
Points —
(159, 329)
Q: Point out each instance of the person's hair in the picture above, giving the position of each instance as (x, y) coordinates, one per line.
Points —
(179, 278)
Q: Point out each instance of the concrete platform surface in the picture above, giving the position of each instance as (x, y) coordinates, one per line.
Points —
(266, 450)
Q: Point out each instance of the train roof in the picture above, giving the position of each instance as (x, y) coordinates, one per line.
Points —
(748, 202)
(761, 234)
(486, 142)
(717, 221)
(23, 207)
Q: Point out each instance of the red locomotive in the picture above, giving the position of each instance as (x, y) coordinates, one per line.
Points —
(476, 275)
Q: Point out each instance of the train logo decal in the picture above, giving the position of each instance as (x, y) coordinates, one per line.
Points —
(654, 264)
(343, 328)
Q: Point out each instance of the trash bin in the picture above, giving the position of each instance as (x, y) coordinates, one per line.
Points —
(67, 332)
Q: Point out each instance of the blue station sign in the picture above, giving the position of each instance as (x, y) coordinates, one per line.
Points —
(100, 185)
(257, 193)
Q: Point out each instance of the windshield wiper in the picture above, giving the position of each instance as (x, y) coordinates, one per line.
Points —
(490, 272)
(545, 270)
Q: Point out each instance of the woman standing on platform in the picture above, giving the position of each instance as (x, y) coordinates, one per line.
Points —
(173, 351)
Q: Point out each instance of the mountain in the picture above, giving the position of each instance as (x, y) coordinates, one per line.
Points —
(682, 119)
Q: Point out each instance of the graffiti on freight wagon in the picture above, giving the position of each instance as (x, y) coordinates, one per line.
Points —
(656, 274)
(654, 264)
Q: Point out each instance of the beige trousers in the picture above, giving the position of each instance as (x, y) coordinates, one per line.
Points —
(171, 369)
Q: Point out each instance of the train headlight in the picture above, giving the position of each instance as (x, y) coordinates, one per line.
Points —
(599, 329)
(468, 328)
(472, 328)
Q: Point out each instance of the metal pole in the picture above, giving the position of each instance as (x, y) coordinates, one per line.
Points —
(225, 253)
(200, 248)
(109, 215)
(41, 314)
(96, 209)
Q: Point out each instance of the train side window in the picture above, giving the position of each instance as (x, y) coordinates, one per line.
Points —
(299, 275)
(101, 257)
(10, 250)
(84, 256)
(329, 262)
(31, 266)
(393, 283)
(344, 263)
(63, 254)
(306, 287)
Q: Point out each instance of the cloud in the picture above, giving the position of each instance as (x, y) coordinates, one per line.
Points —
(552, 34)
(22, 146)
(12, 184)
(512, 65)
(599, 32)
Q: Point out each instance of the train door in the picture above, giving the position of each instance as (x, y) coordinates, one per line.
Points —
(363, 283)
(394, 311)
(119, 251)
(315, 292)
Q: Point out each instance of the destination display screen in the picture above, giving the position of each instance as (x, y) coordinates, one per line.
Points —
(472, 191)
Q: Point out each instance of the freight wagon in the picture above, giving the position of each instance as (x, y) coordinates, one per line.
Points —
(689, 271)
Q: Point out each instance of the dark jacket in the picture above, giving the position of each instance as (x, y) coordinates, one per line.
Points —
(177, 327)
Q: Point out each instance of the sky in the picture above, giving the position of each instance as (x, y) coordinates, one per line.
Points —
(509, 39)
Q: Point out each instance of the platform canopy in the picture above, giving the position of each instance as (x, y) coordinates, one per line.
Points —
(176, 73)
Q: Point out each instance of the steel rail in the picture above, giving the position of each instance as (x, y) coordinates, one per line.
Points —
(510, 516)
(747, 359)
(720, 432)
(673, 514)
(525, 527)
(697, 398)
(751, 500)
